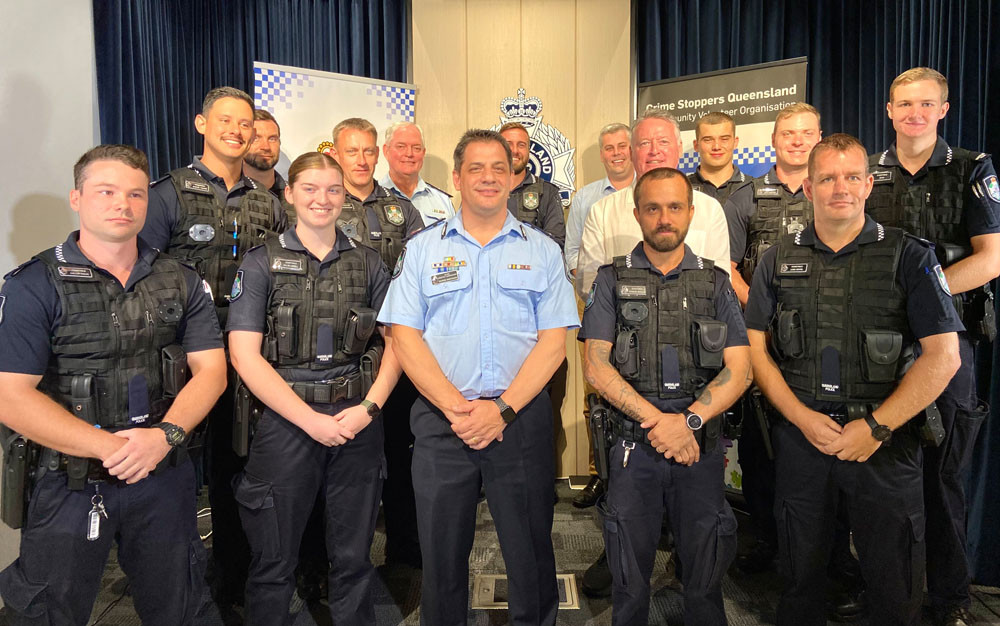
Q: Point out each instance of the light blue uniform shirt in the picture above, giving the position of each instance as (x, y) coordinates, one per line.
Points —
(582, 201)
(480, 307)
(433, 204)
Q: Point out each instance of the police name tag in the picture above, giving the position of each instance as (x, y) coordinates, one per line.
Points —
(197, 186)
(767, 192)
(882, 176)
(793, 269)
(75, 272)
(288, 265)
(444, 277)
(631, 291)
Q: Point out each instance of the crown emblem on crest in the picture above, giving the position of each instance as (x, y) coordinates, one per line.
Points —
(521, 107)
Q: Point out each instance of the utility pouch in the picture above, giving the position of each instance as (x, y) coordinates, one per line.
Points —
(788, 335)
(627, 352)
(979, 314)
(284, 330)
(600, 429)
(880, 350)
(175, 371)
(948, 253)
(930, 426)
(246, 414)
(82, 397)
(14, 486)
(732, 424)
(371, 361)
(358, 330)
(708, 340)
(757, 405)
(709, 435)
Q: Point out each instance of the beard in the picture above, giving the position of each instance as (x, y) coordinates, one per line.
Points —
(260, 162)
(668, 241)
(520, 168)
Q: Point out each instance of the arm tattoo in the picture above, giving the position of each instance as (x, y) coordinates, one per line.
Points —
(721, 379)
(619, 393)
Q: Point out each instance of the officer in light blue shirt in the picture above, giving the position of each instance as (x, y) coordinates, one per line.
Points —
(404, 150)
(479, 307)
(616, 158)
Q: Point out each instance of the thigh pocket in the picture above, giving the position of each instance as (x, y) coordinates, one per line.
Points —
(616, 545)
(260, 520)
(962, 439)
(725, 544)
(23, 596)
(917, 550)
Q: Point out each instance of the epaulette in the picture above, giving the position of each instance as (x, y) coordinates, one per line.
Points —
(20, 267)
(426, 228)
(533, 227)
(924, 242)
(260, 245)
(982, 156)
(439, 189)
(159, 180)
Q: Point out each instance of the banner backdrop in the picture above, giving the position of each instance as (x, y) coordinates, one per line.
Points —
(308, 103)
(751, 95)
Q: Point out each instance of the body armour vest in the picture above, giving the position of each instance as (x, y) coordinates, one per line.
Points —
(213, 237)
(841, 332)
(289, 210)
(778, 214)
(387, 240)
(307, 313)
(528, 201)
(930, 210)
(115, 336)
(658, 319)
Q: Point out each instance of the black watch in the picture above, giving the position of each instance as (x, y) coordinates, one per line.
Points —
(508, 414)
(373, 409)
(880, 432)
(694, 421)
(175, 434)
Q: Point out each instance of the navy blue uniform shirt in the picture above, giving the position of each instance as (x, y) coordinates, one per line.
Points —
(742, 206)
(600, 315)
(728, 188)
(550, 209)
(164, 212)
(30, 311)
(929, 308)
(248, 307)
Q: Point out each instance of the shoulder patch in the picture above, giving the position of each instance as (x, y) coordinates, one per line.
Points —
(992, 188)
(942, 280)
(590, 296)
(237, 290)
(3, 300)
(398, 268)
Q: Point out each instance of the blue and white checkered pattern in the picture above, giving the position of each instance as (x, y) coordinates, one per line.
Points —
(744, 158)
(396, 101)
(277, 88)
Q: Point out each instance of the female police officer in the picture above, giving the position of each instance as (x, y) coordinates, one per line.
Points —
(302, 316)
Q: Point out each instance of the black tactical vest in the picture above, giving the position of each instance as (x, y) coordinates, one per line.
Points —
(289, 210)
(209, 232)
(302, 302)
(930, 210)
(113, 335)
(848, 318)
(778, 214)
(719, 193)
(652, 315)
(528, 200)
(353, 222)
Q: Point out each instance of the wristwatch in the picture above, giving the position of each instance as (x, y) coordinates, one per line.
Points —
(508, 414)
(373, 409)
(880, 432)
(694, 421)
(175, 434)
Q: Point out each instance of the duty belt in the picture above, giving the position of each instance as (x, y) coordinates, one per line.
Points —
(628, 429)
(329, 391)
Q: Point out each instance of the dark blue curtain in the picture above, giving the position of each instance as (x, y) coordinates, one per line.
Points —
(156, 59)
(855, 49)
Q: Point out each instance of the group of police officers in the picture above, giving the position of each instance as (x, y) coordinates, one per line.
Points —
(835, 301)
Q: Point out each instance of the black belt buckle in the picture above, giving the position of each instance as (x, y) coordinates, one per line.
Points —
(840, 418)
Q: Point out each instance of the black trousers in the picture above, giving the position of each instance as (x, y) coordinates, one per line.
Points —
(402, 542)
(56, 578)
(758, 475)
(946, 471)
(885, 505)
(518, 474)
(285, 471)
(703, 525)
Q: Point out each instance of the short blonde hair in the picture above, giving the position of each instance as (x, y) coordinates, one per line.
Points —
(914, 74)
(355, 123)
(796, 108)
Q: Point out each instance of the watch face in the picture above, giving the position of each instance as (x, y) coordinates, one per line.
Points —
(882, 433)
(694, 421)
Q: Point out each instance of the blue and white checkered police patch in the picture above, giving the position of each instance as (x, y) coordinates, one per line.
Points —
(3, 300)
(941, 279)
(237, 289)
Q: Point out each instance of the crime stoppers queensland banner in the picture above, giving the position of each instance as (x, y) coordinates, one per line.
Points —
(308, 103)
(751, 95)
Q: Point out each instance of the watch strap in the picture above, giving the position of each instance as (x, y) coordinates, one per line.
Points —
(508, 414)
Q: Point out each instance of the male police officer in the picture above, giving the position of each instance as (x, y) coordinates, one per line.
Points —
(263, 155)
(208, 214)
(404, 150)
(532, 200)
(479, 308)
(715, 140)
(92, 375)
(949, 196)
(676, 331)
(846, 301)
(613, 142)
(382, 220)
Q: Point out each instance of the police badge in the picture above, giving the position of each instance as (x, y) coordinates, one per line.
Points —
(530, 200)
(394, 214)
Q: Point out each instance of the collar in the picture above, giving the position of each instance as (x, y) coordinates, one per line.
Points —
(871, 232)
(456, 226)
(388, 184)
(637, 259)
(289, 240)
(211, 176)
(529, 178)
(69, 251)
(941, 155)
(279, 183)
(737, 177)
(378, 191)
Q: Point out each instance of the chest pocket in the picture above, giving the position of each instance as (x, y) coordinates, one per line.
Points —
(448, 302)
(518, 292)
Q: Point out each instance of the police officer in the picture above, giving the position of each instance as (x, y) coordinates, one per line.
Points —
(949, 196)
(92, 384)
(376, 217)
(677, 333)
(208, 214)
(715, 140)
(846, 303)
(532, 200)
(404, 151)
(479, 308)
(309, 299)
(263, 155)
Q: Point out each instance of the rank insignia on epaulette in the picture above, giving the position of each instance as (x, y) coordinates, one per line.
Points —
(530, 199)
